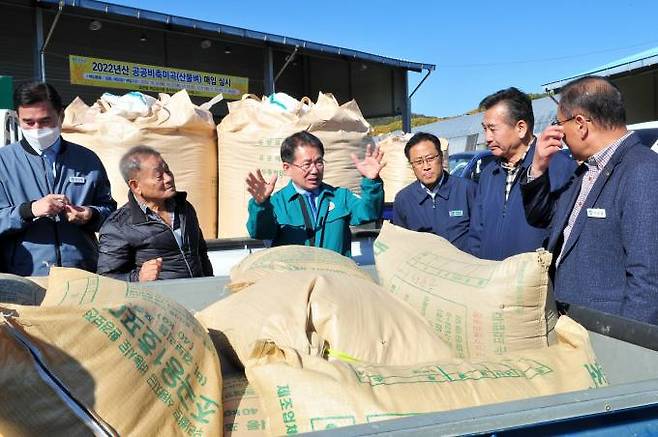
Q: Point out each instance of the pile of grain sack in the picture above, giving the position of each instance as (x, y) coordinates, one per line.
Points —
(181, 131)
(211, 162)
(104, 357)
(305, 341)
(323, 345)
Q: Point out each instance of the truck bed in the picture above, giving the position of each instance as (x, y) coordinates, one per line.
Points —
(629, 405)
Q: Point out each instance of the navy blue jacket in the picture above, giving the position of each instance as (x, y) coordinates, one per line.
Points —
(499, 229)
(448, 215)
(29, 246)
(610, 261)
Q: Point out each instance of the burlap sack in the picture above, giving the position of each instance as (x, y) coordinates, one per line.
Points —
(478, 307)
(139, 361)
(20, 291)
(182, 132)
(243, 415)
(325, 314)
(398, 173)
(301, 393)
(291, 259)
(28, 404)
(250, 137)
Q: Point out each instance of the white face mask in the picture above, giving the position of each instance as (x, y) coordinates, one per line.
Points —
(41, 138)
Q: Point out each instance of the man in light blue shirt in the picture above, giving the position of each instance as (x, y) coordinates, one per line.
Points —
(54, 195)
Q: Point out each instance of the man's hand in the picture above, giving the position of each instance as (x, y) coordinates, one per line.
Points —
(548, 144)
(50, 205)
(150, 270)
(78, 215)
(258, 188)
(371, 164)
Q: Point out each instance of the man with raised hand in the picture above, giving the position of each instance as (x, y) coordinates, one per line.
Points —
(604, 225)
(307, 211)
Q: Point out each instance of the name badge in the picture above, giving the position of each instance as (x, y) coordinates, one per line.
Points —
(77, 179)
(456, 213)
(596, 213)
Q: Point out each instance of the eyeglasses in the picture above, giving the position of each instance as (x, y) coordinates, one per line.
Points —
(557, 122)
(420, 161)
(306, 167)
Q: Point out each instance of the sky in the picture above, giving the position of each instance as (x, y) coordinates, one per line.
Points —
(478, 46)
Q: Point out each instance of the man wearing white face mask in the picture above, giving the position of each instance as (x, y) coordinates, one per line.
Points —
(54, 195)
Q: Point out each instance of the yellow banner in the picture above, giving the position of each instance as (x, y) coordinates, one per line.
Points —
(106, 73)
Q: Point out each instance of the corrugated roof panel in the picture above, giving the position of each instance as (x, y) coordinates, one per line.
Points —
(190, 23)
(643, 59)
(544, 110)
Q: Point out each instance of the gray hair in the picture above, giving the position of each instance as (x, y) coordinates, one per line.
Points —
(131, 161)
(596, 97)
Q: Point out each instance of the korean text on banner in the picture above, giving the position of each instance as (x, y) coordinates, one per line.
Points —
(108, 73)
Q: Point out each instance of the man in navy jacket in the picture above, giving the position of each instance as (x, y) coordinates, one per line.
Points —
(604, 226)
(54, 195)
(436, 202)
(499, 228)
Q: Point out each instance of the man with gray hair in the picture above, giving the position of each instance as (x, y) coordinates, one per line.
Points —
(604, 224)
(156, 235)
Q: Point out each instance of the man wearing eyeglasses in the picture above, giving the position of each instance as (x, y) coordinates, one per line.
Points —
(308, 211)
(604, 225)
(499, 228)
(436, 202)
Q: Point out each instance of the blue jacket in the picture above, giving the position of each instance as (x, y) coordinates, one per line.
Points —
(447, 215)
(30, 246)
(610, 261)
(499, 229)
(280, 218)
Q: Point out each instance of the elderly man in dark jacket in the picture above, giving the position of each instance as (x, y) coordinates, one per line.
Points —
(604, 226)
(155, 235)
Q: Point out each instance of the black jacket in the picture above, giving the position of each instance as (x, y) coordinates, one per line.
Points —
(129, 238)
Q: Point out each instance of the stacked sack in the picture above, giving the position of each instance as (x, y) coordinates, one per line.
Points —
(185, 135)
(398, 172)
(262, 263)
(323, 347)
(250, 137)
(303, 393)
(479, 307)
(106, 357)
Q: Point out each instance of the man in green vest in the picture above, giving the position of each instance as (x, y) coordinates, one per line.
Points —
(308, 211)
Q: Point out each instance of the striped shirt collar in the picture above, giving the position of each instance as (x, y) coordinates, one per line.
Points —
(512, 167)
(601, 158)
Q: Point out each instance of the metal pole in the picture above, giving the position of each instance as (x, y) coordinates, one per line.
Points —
(39, 67)
(41, 55)
(290, 58)
(52, 26)
(406, 110)
(269, 72)
(420, 83)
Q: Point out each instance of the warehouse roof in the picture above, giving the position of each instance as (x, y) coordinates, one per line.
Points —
(544, 110)
(222, 29)
(647, 58)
